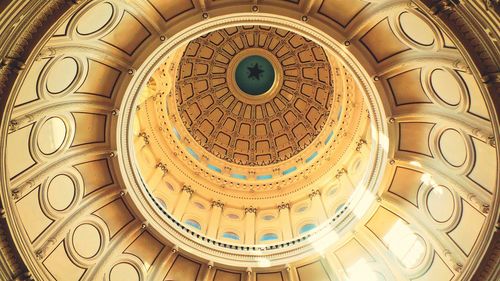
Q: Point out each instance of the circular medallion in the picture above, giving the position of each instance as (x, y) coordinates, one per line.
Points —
(254, 75)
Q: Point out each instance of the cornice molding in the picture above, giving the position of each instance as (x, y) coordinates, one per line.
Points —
(26, 25)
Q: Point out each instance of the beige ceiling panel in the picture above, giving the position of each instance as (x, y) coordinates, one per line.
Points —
(415, 136)
(382, 222)
(124, 271)
(29, 89)
(416, 29)
(381, 41)
(275, 276)
(171, 9)
(146, 248)
(183, 269)
(341, 11)
(120, 37)
(87, 240)
(406, 183)
(222, 275)
(446, 87)
(61, 75)
(116, 216)
(34, 220)
(19, 157)
(96, 174)
(314, 271)
(95, 19)
(61, 192)
(352, 252)
(440, 203)
(477, 105)
(485, 169)
(90, 128)
(51, 135)
(60, 266)
(465, 234)
(437, 271)
(406, 88)
(101, 79)
(453, 147)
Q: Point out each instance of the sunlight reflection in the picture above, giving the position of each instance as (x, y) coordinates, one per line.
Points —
(361, 271)
(263, 262)
(416, 164)
(363, 205)
(408, 247)
(383, 140)
(320, 246)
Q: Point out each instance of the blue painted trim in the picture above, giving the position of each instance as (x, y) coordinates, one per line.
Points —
(191, 151)
(289, 170)
(214, 168)
(329, 137)
(310, 158)
(264, 177)
(176, 133)
(238, 176)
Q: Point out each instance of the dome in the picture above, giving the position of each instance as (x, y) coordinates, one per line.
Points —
(254, 120)
(249, 140)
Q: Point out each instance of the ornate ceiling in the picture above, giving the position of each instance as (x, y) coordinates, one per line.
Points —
(246, 130)
(372, 156)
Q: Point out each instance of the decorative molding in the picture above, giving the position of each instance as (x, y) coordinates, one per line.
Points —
(187, 189)
(314, 193)
(218, 204)
(283, 206)
(251, 210)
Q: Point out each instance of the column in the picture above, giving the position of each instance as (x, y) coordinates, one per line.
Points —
(209, 272)
(342, 172)
(317, 205)
(213, 224)
(249, 274)
(291, 273)
(250, 225)
(141, 140)
(328, 267)
(183, 201)
(361, 147)
(157, 176)
(284, 217)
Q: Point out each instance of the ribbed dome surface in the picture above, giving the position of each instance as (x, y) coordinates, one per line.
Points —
(264, 129)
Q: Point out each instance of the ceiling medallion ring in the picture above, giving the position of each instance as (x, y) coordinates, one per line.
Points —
(252, 98)
(174, 231)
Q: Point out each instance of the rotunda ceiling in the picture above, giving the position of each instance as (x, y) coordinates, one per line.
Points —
(249, 140)
(204, 91)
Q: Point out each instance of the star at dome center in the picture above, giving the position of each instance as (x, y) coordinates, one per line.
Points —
(254, 75)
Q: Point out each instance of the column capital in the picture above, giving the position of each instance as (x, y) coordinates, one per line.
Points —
(187, 189)
(359, 144)
(145, 137)
(218, 203)
(162, 167)
(314, 192)
(283, 206)
(250, 209)
(340, 172)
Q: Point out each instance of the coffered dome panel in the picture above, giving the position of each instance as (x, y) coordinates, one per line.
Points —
(244, 128)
